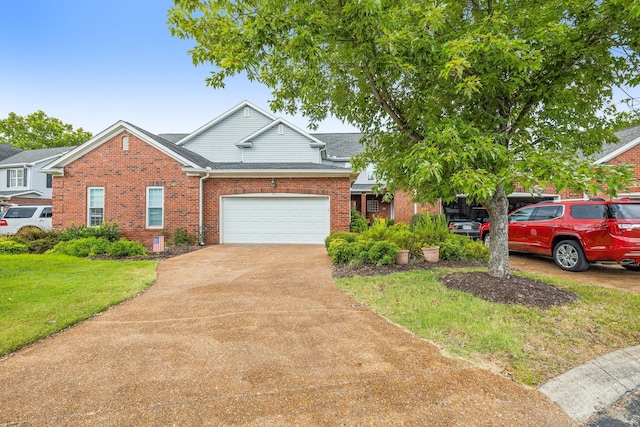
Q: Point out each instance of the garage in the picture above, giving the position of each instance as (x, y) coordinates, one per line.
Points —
(274, 219)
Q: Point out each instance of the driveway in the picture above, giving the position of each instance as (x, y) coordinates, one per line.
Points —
(605, 275)
(252, 335)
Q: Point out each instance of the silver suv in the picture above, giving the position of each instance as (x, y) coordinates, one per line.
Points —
(19, 217)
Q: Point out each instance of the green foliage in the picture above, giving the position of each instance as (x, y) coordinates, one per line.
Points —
(475, 251)
(125, 248)
(181, 237)
(32, 233)
(37, 130)
(83, 247)
(430, 229)
(359, 223)
(452, 248)
(383, 253)
(8, 246)
(344, 235)
(341, 251)
(107, 230)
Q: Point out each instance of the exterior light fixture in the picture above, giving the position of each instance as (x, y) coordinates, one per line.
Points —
(273, 183)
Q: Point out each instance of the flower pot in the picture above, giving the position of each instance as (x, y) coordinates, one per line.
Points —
(431, 254)
(403, 257)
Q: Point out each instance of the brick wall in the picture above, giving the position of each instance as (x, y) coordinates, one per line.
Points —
(338, 190)
(29, 201)
(631, 156)
(125, 174)
(404, 208)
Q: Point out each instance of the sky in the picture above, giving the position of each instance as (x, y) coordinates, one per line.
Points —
(91, 63)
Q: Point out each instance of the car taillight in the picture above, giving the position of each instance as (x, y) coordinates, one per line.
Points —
(616, 229)
(3, 222)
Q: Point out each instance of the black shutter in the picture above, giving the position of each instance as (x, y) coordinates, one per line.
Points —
(24, 177)
(49, 180)
(8, 178)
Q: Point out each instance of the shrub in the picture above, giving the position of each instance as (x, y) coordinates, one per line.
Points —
(85, 247)
(31, 233)
(124, 248)
(476, 251)
(181, 237)
(341, 251)
(9, 246)
(430, 229)
(41, 246)
(359, 223)
(453, 247)
(344, 235)
(383, 253)
(108, 231)
(361, 250)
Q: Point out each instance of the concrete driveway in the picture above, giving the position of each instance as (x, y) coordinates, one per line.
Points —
(252, 335)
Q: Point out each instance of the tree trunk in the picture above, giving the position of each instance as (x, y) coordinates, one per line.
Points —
(498, 208)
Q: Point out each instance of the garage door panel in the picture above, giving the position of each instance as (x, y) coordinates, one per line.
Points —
(275, 219)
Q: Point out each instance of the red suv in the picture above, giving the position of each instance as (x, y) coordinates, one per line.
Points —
(576, 233)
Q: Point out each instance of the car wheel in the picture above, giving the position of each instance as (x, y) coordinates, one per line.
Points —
(632, 267)
(486, 239)
(568, 255)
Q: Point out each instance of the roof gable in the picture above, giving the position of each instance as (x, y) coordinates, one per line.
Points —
(7, 150)
(31, 157)
(223, 117)
(629, 138)
(180, 154)
(313, 141)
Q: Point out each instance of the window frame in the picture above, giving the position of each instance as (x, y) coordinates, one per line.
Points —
(148, 208)
(370, 206)
(90, 207)
(17, 178)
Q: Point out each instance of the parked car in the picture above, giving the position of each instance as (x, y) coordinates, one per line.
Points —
(577, 233)
(465, 227)
(19, 217)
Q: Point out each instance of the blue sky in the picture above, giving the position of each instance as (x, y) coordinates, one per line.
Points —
(91, 63)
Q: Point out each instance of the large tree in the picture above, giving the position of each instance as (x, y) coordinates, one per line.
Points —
(461, 97)
(37, 130)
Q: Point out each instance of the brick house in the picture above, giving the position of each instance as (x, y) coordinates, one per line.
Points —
(244, 177)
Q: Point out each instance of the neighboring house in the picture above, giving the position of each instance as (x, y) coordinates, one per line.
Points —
(20, 180)
(244, 177)
(7, 150)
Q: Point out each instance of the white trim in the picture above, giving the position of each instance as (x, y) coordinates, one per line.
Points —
(279, 173)
(266, 196)
(105, 136)
(626, 147)
(222, 117)
(146, 208)
(314, 142)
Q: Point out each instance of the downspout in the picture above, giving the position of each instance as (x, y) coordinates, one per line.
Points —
(200, 197)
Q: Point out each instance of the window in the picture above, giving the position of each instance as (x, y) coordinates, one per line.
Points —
(521, 215)
(372, 206)
(598, 211)
(155, 207)
(545, 213)
(49, 180)
(46, 213)
(16, 178)
(95, 206)
(371, 173)
(20, 213)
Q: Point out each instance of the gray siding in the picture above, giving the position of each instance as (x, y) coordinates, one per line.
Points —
(217, 143)
(291, 147)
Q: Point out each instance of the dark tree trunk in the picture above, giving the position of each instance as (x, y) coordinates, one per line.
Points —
(498, 208)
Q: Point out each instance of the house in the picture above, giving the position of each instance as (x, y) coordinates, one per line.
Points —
(244, 177)
(20, 182)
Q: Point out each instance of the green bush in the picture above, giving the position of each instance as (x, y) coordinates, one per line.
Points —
(106, 230)
(341, 251)
(359, 223)
(124, 248)
(452, 248)
(9, 246)
(181, 237)
(430, 229)
(344, 235)
(41, 246)
(475, 251)
(32, 233)
(361, 250)
(383, 253)
(82, 248)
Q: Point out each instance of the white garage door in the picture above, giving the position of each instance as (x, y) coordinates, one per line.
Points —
(275, 219)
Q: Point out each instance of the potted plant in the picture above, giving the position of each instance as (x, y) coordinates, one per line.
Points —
(404, 238)
(431, 253)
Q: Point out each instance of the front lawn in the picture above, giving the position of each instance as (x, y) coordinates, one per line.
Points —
(530, 344)
(43, 294)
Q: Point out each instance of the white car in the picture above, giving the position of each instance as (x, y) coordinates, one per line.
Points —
(18, 217)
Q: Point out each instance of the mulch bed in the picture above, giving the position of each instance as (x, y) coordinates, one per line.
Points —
(511, 290)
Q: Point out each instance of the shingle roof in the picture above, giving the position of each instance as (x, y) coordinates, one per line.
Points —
(32, 156)
(181, 151)
(340, 145)
(7, 150)
(625, 136)
(173, 137)
(274, 166)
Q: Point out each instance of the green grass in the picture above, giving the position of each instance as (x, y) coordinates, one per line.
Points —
(43, 294)
(530, 344)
